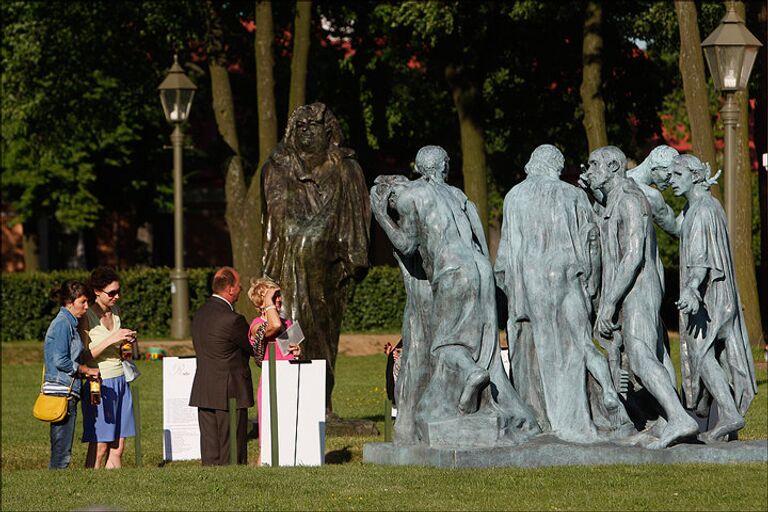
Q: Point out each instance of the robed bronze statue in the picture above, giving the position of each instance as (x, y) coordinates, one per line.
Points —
(316, 227)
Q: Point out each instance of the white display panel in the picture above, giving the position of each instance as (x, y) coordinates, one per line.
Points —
(300, 413)
(181, 431)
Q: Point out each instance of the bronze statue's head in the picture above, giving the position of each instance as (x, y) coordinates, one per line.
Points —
(604, 164)
(659, 161)
(313, 129)
(687, 171)
(432, 163)
(545, 160)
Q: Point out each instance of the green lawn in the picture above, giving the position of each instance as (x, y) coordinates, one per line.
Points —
(346, 483)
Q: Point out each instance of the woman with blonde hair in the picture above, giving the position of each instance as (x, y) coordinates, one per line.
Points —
(264, 293)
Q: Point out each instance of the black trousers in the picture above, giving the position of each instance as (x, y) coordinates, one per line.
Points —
(214, 436)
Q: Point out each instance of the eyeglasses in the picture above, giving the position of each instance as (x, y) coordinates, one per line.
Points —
(113, 293)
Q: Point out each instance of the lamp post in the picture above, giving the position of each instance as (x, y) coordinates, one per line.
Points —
(176, 93)
(730, 51)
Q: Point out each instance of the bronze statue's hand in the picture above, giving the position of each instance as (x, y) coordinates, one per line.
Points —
(689, 301)
(379, 197)
(604, 323)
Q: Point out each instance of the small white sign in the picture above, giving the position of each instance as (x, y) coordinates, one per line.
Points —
(291, 336)
(505, 360)
(181, 432)
(300, 413)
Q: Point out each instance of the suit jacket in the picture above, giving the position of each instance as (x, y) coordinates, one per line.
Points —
(220, 338)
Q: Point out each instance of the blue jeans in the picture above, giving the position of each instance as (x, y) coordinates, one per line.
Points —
(62, 435)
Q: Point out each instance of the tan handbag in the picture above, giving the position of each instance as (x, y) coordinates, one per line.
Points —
(48, 407)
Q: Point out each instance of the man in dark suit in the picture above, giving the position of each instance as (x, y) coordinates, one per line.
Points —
(220, 337)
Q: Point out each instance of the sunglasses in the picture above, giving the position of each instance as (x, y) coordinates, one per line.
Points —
(113, 293)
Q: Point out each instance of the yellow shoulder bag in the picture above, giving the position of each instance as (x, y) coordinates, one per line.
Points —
(48, 407)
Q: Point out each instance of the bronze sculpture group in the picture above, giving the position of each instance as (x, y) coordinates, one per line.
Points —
(577, 274)
(573, 271)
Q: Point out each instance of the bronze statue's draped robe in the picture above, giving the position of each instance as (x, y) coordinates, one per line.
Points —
(719, 323)
(316, 233)
(543, 266)
(450, 309)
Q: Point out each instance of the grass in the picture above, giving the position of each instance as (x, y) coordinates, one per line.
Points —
(345, 483)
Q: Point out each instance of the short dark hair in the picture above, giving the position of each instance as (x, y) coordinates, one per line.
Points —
(224, 277)
(100, 278)
(68, 292)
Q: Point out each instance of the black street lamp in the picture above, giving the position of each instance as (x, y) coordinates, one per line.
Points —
(730, 51)
(176, 93)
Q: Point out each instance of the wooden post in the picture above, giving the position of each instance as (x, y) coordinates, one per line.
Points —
(137, 420)
(233, 431)
(387, 421)
(273, 407)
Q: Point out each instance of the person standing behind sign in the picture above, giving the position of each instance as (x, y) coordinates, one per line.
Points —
(264, 293)
(220, 338)
(107, 424)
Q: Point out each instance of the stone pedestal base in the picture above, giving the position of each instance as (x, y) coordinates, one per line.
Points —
(545, 451)
(474, 430)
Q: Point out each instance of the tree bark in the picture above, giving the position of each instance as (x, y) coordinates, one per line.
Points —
(301, 24)
(741, 238)
(466, 98)
(591, 82)
(691, 66)
(31, 251)
(265, 82)
(761, 146)
(243, 208)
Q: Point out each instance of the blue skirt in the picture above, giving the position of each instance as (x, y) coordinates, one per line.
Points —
(113, 417)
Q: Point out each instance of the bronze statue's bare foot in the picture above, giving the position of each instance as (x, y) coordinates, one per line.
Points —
(611, 400)
(676, 429)
(475, 383)
(725, 426)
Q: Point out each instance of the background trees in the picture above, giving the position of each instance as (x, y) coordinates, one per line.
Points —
(83, 136)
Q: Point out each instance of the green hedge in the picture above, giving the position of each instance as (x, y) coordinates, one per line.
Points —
(375, 304)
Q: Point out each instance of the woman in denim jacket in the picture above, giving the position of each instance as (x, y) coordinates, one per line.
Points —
(64, 356)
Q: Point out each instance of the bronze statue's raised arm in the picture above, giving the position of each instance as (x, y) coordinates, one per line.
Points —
(401, 235)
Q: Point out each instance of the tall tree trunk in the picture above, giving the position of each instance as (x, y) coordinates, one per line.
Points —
(31, 251)
(466, 98)
(741, 238)
(695, 86)
(265, 82)
(301, 24)
(761, 145)
(592, 81)
(243, 208)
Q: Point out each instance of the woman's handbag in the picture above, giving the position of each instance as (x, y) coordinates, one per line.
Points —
(50, 408)
(130, 370)
(258, 344)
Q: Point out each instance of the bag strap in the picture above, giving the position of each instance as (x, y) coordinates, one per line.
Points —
(42, 382)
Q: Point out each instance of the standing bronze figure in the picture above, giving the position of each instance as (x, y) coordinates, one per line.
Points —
(715, 356)
(316, 227)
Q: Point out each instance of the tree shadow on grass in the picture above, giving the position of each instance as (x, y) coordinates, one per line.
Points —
(338, 456)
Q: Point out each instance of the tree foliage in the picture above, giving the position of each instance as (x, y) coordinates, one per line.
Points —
(80, 109)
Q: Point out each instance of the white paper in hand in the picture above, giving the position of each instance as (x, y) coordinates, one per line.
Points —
(291, 336)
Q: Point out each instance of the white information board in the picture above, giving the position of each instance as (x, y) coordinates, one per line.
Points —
(181, 432)
(300, 413)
